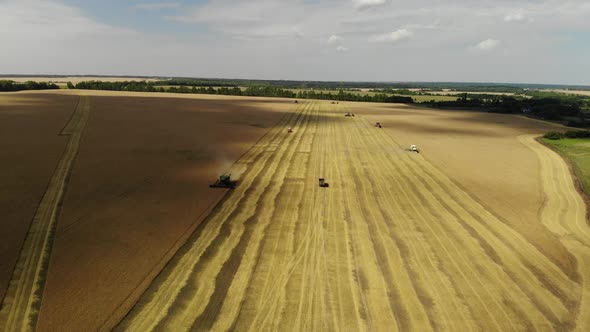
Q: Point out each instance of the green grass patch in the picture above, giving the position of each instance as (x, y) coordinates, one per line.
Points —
(578, 151)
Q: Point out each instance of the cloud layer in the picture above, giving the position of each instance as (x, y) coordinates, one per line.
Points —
(393, 36)
(541, 41)
(364, 4)
(488, 44)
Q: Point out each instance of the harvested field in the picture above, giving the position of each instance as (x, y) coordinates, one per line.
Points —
(138, 189)
(481, 153)
(564, 213)
(481, 230)
(396, 242)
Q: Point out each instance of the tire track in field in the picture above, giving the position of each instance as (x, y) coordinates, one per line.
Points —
(377, 294)
(417, 179)
(392, 244)
(402, 295)
(274, 243)
(537, 288)
(21, 303)
(425, 291)
(298, 256)
(526, 281)
(282, 271)
(267, 212)
(459, 266)
(446, 302)
(541, 292)
(157, 304)
(344, 265)
(413, 188)
(303, 286)
(161, 298)
(306, 236)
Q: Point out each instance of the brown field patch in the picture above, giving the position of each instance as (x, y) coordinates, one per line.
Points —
(30, 147)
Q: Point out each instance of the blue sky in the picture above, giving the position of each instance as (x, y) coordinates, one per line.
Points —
(542, 41)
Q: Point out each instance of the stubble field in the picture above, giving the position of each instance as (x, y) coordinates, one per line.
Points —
(483, 230)
(393, 244)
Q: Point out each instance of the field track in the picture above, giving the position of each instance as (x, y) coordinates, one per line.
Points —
(564, 213)
(392, 244)
(20, 305)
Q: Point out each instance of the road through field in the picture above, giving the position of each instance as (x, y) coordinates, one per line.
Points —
(20, 306)
(392, 244)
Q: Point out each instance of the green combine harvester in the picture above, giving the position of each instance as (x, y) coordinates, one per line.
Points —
(224, 181)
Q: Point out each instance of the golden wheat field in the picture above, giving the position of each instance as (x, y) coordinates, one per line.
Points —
(482, 230)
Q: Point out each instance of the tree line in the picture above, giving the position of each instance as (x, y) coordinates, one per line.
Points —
(251, 91)
(195, 82)
(347, 96)
(567, 109)
(6, 85)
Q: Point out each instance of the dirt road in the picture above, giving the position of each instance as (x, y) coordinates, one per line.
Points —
(392, 244)
(20, 306)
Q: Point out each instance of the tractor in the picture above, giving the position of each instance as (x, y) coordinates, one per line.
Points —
(378, 125)
(224, 181)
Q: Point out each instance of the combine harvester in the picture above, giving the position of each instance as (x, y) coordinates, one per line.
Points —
(224, 181)
(414, 148)
(323, 183)
(349, 114)
(378, 125)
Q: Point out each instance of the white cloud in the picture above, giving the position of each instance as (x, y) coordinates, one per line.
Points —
(341, 48)
(334, 39)
(364, 4)
(514, 17)
(517, 16)
(487, 45)
(157, 5)
(394, 36)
